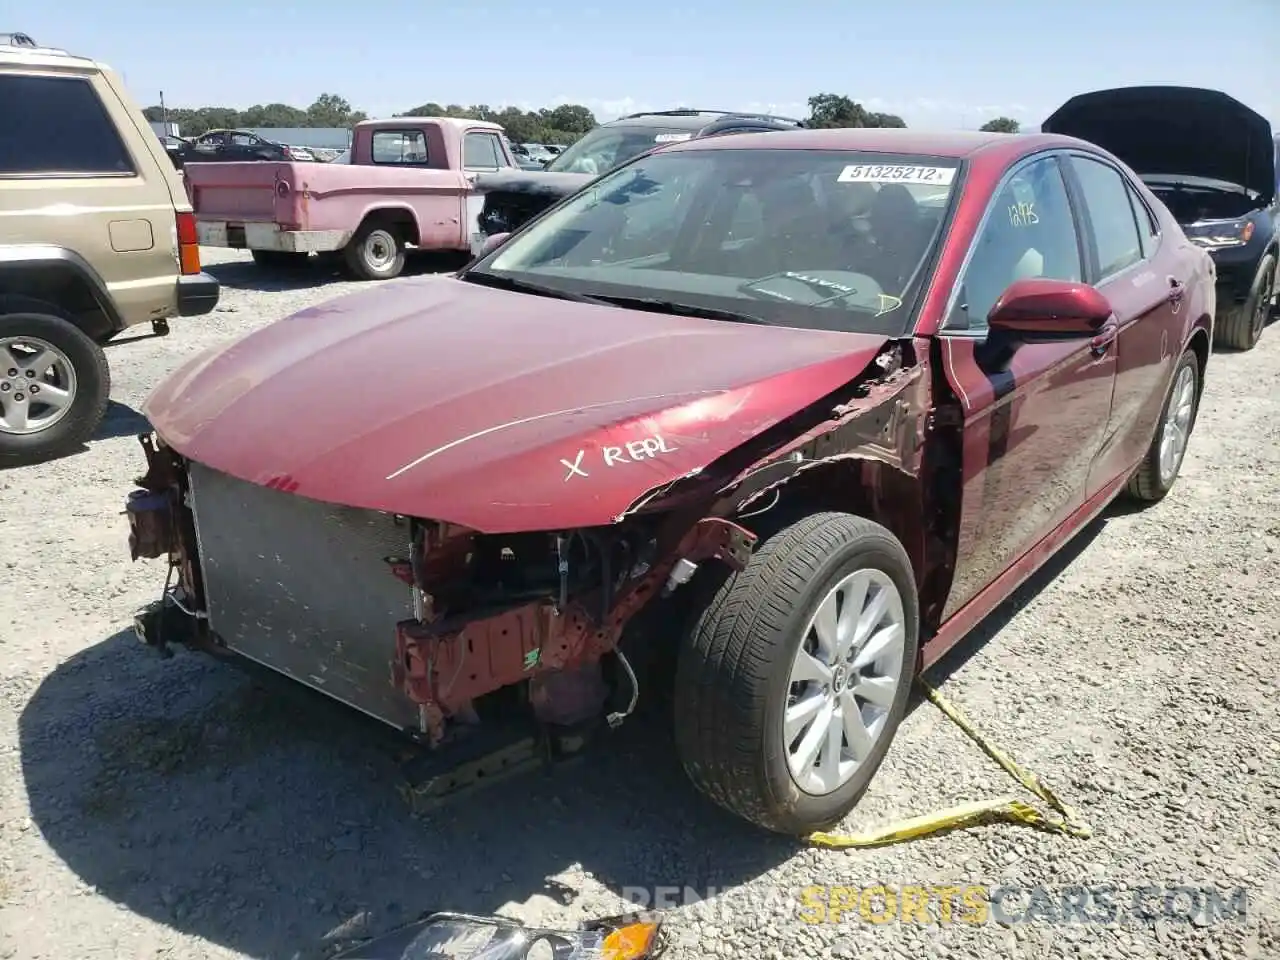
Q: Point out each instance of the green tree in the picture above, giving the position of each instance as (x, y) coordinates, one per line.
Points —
(569, 118)
(562, 124)
(331, 110)
(1001, 125)
(830, 110)
(885, 120)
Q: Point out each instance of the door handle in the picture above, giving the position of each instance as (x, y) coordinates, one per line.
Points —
(1177, 290)
(1102, 341)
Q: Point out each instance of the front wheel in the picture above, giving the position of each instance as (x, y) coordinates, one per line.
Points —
(1159, 469)
(54, 387)
(796, 674)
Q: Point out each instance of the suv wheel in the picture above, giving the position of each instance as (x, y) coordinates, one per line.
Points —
(796, 674)
(54, 387)
(1241, 326)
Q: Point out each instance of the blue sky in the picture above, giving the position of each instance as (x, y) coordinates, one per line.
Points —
(937, 63)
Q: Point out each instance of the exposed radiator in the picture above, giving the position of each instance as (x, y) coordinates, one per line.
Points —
(302, 587)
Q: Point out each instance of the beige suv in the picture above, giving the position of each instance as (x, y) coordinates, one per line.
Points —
(96, 237)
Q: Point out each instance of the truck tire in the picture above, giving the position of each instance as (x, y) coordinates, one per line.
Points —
(279, 259)
(755, 683)
(43, 357)
(1240, 327)
(1156, 475)
(376, 252)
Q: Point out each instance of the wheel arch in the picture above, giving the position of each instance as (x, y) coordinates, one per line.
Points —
(400, 216)
(1200, 342)
(63, 279)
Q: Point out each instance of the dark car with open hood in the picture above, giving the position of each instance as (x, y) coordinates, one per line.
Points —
(1213, 161)
(512, 199)
(761, 423)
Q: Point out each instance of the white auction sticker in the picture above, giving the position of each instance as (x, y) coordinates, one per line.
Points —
(672, 137)
(897, 173)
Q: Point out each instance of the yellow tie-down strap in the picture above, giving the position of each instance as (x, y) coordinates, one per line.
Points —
(1063, 820)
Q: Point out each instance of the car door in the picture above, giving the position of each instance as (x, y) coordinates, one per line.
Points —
(246, 146)
(1035, 416)
(1129, 263)
(208, 148)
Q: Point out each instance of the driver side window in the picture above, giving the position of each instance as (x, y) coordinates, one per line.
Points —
(1028, 232)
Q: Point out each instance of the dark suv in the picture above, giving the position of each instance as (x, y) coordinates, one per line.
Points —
(1214, 163)
(512, 199)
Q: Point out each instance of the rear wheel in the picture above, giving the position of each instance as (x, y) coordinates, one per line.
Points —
(1159, 469)
(1240, 327)
(796, 674)
(376, 252)
(54, 387)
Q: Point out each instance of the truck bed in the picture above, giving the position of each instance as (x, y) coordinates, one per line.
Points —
(328, 201)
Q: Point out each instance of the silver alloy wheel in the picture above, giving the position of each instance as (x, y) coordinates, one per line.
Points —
(379, 250)
(37, 385)
(844, 680)
(1177, 424)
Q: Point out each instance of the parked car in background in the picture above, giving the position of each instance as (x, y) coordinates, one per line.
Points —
(175, 148)
(234, 146)
(408, 183)
(120, 252)
(511, 198)
(1213, 161)
(539, 151)
(806, 404)
(524, 159)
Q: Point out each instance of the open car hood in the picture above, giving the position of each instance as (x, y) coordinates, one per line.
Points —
(1175, 130)
(496, 410)
(532, 182)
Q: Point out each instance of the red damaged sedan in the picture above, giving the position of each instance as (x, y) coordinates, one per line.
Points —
(805, 405)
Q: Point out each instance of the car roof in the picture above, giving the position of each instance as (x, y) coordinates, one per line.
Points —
(19, 49)
(456, 123)
(678, 119)
(957, 144)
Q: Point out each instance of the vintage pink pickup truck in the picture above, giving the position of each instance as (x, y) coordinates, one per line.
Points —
(409, 183)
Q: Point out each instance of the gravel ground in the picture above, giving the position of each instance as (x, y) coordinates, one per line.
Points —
(170, 808)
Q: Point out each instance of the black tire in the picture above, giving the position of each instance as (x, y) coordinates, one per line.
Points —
(734, 669)
(88, 406)
(279, 259)
(361, 251)
(1147, 484)
(1240, 327)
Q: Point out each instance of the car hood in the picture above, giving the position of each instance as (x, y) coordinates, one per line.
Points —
(532, 182)
(1175, 130)
(496, 410)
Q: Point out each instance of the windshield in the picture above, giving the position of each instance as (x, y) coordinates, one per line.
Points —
(804, 238)
(607, 147)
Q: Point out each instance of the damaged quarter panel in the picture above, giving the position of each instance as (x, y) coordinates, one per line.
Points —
(387, 404)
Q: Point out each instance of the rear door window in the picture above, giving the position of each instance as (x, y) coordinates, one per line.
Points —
(57, 126)
(1111, 216)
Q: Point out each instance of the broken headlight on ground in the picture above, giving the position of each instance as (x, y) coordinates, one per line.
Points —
(457, 936)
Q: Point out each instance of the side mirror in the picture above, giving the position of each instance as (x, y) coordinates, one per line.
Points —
(492, 243)
(1040, 309)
